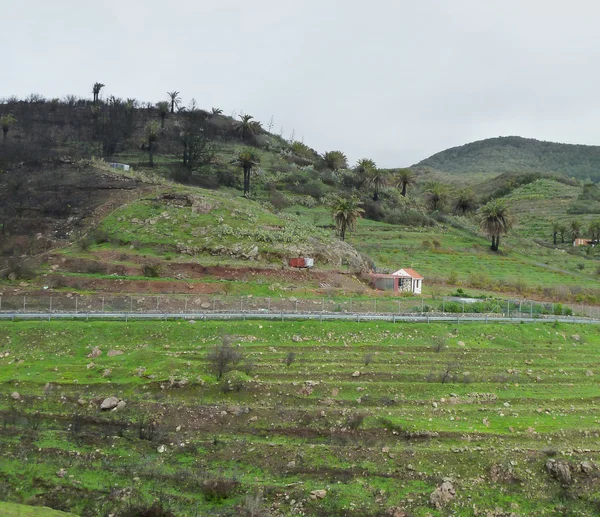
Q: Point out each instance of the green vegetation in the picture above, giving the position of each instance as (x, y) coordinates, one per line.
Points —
(513, 153)
(19, 510)
(484, 405)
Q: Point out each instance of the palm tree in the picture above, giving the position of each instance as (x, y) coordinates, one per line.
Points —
(216, 111)
(6, 121)
(247, 127)
(594, 230)
(403, 179)
(377, 179)
(152, 131)
(346, 210)
(575, 228)
(163, 109)
(175, 99)
(248, 159)
(335, 160)
(555, 230)
(465, 201)
(96, 91)
(495, 220)
(436, 193)
(364, 166)
(562, 229)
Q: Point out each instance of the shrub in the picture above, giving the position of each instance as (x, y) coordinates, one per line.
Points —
(368, 359)
(151, 270)
(253, 506)
(218, 488)
(223, 357)
(290, 358)
(355, 421)
(439, 344)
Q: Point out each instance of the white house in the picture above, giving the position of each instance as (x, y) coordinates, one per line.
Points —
(404, 280)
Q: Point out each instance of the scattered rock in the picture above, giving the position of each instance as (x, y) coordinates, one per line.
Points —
(442, 495)
(396, 512)
(318, 494)
(161, 449)
(296, 339)
(107, 372)
(589, 373)
(96, 352)
(205, 305)
(586, 467)
(356, 374)
(15, 395)
(120, 405)
(61, 473)
(576, 337)
(559, 470)
(113, 353)
(109, 403)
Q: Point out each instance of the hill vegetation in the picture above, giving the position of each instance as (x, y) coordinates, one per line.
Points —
(522, 155)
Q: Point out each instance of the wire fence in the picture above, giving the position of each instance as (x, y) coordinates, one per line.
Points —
(194, 304)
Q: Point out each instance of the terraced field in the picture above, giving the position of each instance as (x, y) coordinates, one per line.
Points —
(353, 419)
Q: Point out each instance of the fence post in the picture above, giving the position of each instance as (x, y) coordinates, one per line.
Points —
(157, 302)
(323, 305)
(350, 304)
(422, 305)
(399, 307)
(508, 308)
(185, 304)
(50, 307)
(241, 304)
(103, 304)
(268, 304)
(0, 303)
(130, 304)
(531, 309)
(296, 305)
(443, 304)
(76, 304)
(375, 306)
(463, 307)
(24, 303)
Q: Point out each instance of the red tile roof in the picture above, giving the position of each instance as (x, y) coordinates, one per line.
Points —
(412, 273)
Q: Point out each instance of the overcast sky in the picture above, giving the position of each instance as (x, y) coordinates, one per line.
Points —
(392, 80)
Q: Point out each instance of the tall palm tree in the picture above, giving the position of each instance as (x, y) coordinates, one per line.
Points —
(346, 210)
(163, 109)
(152, 131)
(575, 228)
(335, 160)
(248, 159)
(6, 121)
(465, 201)
(96, 91)
(247, 126)
(495, 220)
(377, 179)
(436, 193)
(175, 99)
(404, 178)
(562, 229)
(555, 230)
(216, 111)
(594, 230)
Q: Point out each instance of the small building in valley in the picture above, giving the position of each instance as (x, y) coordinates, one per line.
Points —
(404, 281)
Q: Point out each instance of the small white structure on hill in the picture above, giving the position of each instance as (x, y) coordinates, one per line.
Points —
(404, 280)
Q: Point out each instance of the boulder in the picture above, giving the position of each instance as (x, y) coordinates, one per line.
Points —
(120, 405)
(15, 395)
(96, 352)
(113, 353)
(442, 495)
(109, 403)
(559, 470)
(356, 374)
(318, 494)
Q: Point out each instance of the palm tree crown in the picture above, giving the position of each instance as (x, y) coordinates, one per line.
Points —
(346, 211)
(436, 193)
(403, 179)
(377, 179)
(96, 91)
(495, 220)
(247, 126)
(335, 160)
(175, 99)
(465, 201)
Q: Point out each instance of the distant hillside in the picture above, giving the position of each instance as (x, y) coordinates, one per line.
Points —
(516, 154)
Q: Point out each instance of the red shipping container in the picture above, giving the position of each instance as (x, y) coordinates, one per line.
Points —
(297, 262)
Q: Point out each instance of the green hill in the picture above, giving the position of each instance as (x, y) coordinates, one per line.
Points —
(516, 154)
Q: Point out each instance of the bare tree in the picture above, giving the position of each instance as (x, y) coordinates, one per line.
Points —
(223, 357)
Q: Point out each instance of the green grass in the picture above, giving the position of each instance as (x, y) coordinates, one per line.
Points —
(517, 395)
(19, 510)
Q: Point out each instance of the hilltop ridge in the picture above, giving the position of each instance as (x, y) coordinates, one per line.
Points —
(517, 154)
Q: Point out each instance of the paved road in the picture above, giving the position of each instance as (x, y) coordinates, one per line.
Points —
(417, 318)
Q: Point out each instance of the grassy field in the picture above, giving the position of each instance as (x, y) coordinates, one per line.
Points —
(374, 414)
(19, 510)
